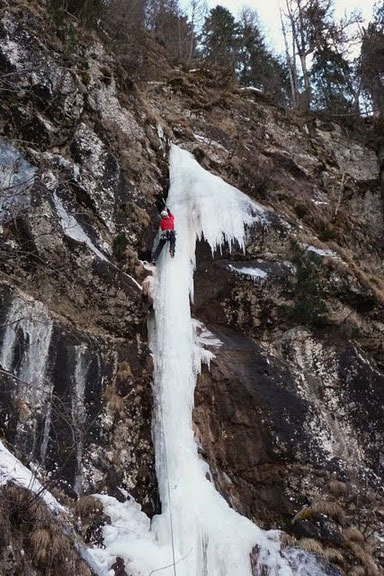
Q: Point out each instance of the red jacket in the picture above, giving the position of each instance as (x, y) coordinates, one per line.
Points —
(167, 222)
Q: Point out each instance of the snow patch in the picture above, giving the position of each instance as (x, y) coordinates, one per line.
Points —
(252, 89)
(320, 251)
(255, 273)
(208, 141)
(12, 470)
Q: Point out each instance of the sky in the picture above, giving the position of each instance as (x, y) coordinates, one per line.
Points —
(268, 11)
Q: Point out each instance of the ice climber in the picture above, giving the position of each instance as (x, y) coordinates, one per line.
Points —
(167, 226)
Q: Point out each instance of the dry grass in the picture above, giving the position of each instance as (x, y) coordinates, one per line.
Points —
(310, 545)
(333, 555)
(87, 506)
(357, 571)
(50, 547)
(115, 402)
(124, 371)
(353, 535)
(123, 378)
(303, 514)
(60, 545)
(362, 276)
(365, 559)
(330, 509)
(40, 541)
(337, 488)
(82, 569)
(131, 255)
(287, 539)
(28, 526)
(142, 216)
(326, 507)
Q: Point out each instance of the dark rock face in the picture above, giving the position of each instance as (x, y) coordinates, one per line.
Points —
(54, 406)
(277, 421)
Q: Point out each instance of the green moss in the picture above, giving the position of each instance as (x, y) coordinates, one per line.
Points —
(309, 306)
(301, 209)
(119, 245)
(327, 232)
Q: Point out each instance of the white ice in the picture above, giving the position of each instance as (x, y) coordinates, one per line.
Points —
(256, 273)
(208, 537)
(320, 251)
(28, 320)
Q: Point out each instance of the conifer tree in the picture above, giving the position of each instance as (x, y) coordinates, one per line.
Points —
(220, 38)
(256, 65)
(320, 44)
(372, 61)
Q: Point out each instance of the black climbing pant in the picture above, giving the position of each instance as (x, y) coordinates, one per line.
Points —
(167, 235)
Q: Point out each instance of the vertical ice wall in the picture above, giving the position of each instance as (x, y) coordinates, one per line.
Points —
(209, 538)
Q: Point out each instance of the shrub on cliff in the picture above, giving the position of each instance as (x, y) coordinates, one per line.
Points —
(120, 243)
(309, 307)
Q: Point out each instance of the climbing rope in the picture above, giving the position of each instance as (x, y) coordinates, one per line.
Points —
(168, 489)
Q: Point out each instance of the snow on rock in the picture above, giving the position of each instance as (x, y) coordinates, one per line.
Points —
(12, 470)
(103, 97)
(36, 67)
(72, 228)
(252, 89)
(129, 536)
(255, 273)
(100, 175)
(208, 141)
(320, 251)
(307, 564)
(353, 158)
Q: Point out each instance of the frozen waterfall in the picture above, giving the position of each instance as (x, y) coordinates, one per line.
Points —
(208, 537)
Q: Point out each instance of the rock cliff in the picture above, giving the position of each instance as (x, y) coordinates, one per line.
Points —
(290, 414)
